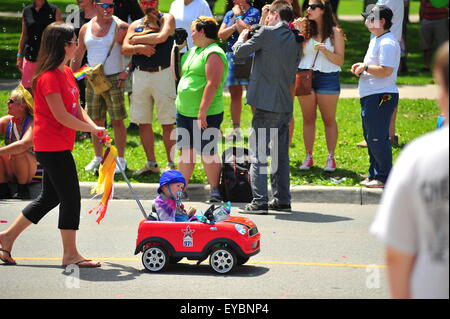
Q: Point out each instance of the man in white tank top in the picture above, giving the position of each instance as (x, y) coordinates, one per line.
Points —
(96, 37)
(149, 42)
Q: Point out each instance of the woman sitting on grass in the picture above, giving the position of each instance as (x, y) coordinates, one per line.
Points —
(17, 160)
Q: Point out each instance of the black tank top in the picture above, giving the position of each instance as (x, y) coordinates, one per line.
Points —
(160, 58)
(36, 22)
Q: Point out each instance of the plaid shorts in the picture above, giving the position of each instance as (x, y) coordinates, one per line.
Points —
(111, 101)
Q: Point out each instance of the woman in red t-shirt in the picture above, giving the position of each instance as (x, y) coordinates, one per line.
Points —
(57, 117)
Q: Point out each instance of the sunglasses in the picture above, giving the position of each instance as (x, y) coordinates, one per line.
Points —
(11, 101)
(313, 7)
(148, 3)
(106, 6)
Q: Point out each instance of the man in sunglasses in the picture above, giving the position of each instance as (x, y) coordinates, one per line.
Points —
(378, 92)
(101, 33)
(149, 41)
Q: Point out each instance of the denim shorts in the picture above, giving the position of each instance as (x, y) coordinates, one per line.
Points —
(231, 80)
(326, 83)
(204, 142)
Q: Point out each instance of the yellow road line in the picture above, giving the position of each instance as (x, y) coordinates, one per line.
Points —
(291, 263)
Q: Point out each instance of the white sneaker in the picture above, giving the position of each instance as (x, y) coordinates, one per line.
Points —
(94, 164)
(331, 164)
(123, 165)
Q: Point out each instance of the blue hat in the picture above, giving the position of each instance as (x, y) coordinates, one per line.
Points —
(170, 177)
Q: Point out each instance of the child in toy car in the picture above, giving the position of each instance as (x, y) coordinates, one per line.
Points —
(168, 204)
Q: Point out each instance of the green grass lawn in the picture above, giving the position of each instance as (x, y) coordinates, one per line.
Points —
(415, 118)
(356, 46)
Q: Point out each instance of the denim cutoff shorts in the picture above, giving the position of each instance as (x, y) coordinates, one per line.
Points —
(326, 83)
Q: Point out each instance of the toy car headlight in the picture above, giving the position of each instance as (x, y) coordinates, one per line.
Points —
(241, 229)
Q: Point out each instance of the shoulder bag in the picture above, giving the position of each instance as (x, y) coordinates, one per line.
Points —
(96, 74)
(303, 80)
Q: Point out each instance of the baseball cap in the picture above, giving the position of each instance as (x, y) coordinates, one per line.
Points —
(378, 11)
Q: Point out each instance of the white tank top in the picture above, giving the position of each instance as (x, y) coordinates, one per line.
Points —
(322, 63)
(97, 50)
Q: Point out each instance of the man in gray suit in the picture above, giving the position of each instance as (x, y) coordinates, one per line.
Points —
(271, 89)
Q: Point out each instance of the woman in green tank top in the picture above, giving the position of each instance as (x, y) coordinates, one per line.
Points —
(200, 103)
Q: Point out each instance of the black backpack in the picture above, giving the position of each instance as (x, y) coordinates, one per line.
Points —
(235, 178)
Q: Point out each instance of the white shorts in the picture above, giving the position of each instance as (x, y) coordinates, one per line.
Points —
(150, 88)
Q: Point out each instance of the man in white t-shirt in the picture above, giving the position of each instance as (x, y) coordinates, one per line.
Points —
(186, 11)
(413, 218)
(378, 92)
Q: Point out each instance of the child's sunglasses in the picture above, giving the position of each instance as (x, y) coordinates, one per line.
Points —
(106, 5)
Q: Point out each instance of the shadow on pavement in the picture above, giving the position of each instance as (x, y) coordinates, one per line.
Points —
(309, 217)
(113, 272)
(185, 269)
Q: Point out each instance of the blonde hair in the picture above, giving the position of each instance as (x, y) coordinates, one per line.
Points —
(209, 25)
(24, 97)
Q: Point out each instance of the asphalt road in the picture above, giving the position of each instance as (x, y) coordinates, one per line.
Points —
(317, 251)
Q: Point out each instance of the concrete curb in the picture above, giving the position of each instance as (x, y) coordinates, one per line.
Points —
(306, 194)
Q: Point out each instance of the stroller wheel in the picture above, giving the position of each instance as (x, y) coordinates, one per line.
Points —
(155, 259)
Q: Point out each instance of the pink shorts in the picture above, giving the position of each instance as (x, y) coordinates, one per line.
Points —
(28, 73)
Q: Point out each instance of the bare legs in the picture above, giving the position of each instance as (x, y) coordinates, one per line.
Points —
(236, 92)
(22, 167)
(70, 252)
(327, 105)
(148, 141)
(211, 164)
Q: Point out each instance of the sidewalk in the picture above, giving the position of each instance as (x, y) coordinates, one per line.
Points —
(348, 90)
(428, 91)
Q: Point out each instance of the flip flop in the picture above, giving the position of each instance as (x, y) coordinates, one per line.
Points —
(85, 263)
(7, 262)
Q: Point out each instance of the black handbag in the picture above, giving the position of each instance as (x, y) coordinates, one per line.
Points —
(242, 67)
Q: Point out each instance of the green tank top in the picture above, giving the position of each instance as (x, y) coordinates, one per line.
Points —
(193, 81)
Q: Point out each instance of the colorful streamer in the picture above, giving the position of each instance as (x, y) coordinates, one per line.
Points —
(105, 183)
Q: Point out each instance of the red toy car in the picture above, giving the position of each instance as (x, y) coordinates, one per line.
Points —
(229, 241)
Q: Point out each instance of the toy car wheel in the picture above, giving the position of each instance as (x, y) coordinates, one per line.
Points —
(222, 260)
(155, 258)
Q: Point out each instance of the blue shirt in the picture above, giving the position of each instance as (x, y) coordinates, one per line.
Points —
(251, 16)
